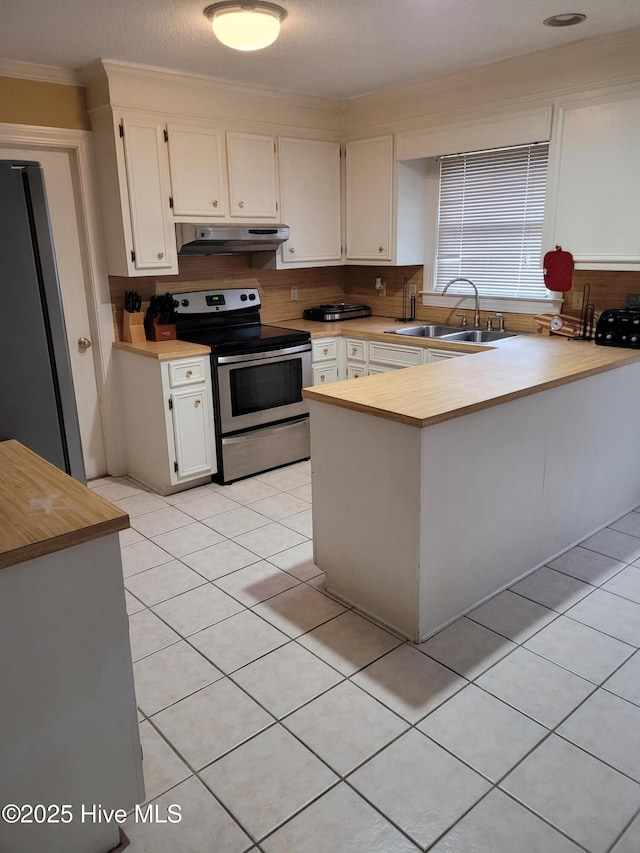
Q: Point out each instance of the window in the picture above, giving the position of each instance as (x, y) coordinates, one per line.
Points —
(490, 215)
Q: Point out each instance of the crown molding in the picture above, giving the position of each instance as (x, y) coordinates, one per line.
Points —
(42, 73)
(166, 76)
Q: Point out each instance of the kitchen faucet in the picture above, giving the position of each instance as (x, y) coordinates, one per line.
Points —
(476, 313)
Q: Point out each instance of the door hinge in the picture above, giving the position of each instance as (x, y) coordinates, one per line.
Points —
(175, 467)
(121, 129)
(171, 201)
(276, 207)
(133, 257)
(165, 134)
(170, 404)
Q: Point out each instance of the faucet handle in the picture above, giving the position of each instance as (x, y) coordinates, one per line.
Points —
(463, 318)
(497, 316)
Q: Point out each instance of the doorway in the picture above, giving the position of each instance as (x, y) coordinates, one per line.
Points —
(62, 184)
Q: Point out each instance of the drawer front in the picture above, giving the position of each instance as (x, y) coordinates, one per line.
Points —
(186, 372)
(394, 354)
(324, 373)
(356, 350)
(325, 349)
(355, 371)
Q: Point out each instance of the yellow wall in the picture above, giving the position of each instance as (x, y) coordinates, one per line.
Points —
(44, 104)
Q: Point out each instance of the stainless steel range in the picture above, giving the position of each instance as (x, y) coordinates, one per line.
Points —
(258, 374)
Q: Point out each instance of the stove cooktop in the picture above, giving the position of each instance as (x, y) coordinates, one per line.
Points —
(336, 311)
(240, 339)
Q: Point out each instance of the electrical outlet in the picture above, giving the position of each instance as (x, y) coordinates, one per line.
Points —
(576, 300)
(381, 287)
(294, 294)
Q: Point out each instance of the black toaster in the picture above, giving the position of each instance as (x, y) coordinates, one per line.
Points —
(619, 327)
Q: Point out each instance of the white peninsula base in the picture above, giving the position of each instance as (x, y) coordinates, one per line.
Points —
(416, 526)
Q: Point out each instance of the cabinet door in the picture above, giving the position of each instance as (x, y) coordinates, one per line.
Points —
(369, 197)
(147, 166)
(310, 196)
(190, 409)
(598, 192)
(324, 373)
(252, 176)
(198, 179)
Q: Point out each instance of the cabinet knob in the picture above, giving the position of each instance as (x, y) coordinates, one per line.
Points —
(322, 377)
(189, 374)
(325, 351)
(197, 402)
(240, 204)
(353, 350)
(160, 255)
(381, 248)
(215, 203)
(292, 251)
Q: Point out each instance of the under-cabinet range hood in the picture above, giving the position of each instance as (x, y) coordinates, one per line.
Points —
(228, 239)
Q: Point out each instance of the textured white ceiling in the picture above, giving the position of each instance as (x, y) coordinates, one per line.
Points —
(334, 48)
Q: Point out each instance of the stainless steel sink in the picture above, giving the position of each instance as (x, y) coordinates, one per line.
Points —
(452, 333)
(425, 331)
(477, 336)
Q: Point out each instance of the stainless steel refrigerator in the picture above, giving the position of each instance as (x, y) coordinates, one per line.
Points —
(37, 399)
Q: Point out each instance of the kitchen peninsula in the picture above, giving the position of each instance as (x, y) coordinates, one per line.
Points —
(437, 486)
(68, 716)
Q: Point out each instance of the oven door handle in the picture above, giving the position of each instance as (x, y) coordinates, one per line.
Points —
(261, 356)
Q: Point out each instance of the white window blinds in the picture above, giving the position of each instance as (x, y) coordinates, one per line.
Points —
(490, 216)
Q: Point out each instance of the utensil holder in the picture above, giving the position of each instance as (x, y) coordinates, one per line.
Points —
(162, 332)
(133, 327)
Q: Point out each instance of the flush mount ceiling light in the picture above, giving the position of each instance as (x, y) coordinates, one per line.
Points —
(246, 26)
(566, 19)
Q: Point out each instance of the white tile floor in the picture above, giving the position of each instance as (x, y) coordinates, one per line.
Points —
(281, 721)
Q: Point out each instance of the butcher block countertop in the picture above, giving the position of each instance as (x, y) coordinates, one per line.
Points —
(164, 350)
(43, 510)
(433, 393)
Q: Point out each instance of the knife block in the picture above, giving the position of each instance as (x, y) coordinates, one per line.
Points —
(133, 327)
(158, 332)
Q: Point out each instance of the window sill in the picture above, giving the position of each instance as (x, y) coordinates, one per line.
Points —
(551, 305)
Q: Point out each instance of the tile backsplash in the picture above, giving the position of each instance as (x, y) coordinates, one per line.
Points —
(609, 289)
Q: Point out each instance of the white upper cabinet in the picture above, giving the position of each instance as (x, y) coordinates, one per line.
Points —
(597, 210)
(385, 204)
(252, 176)
(198, 171)
(133, 171)
(369, 198)
(310, 196)
(154, 242)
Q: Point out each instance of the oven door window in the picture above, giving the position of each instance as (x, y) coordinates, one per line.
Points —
(265, 386)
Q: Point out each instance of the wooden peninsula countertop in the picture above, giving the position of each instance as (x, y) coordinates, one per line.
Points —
(43, 510)
(490, 375)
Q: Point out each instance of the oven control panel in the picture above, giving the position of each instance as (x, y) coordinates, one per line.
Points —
(214, 301)
(619, 327)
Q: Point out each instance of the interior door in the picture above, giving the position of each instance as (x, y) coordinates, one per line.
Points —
(63, 212)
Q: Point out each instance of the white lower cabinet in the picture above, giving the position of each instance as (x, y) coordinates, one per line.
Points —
(350, 358)
(325, 360)
(167, 420)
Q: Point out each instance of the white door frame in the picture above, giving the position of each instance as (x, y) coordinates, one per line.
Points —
(79, 146)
